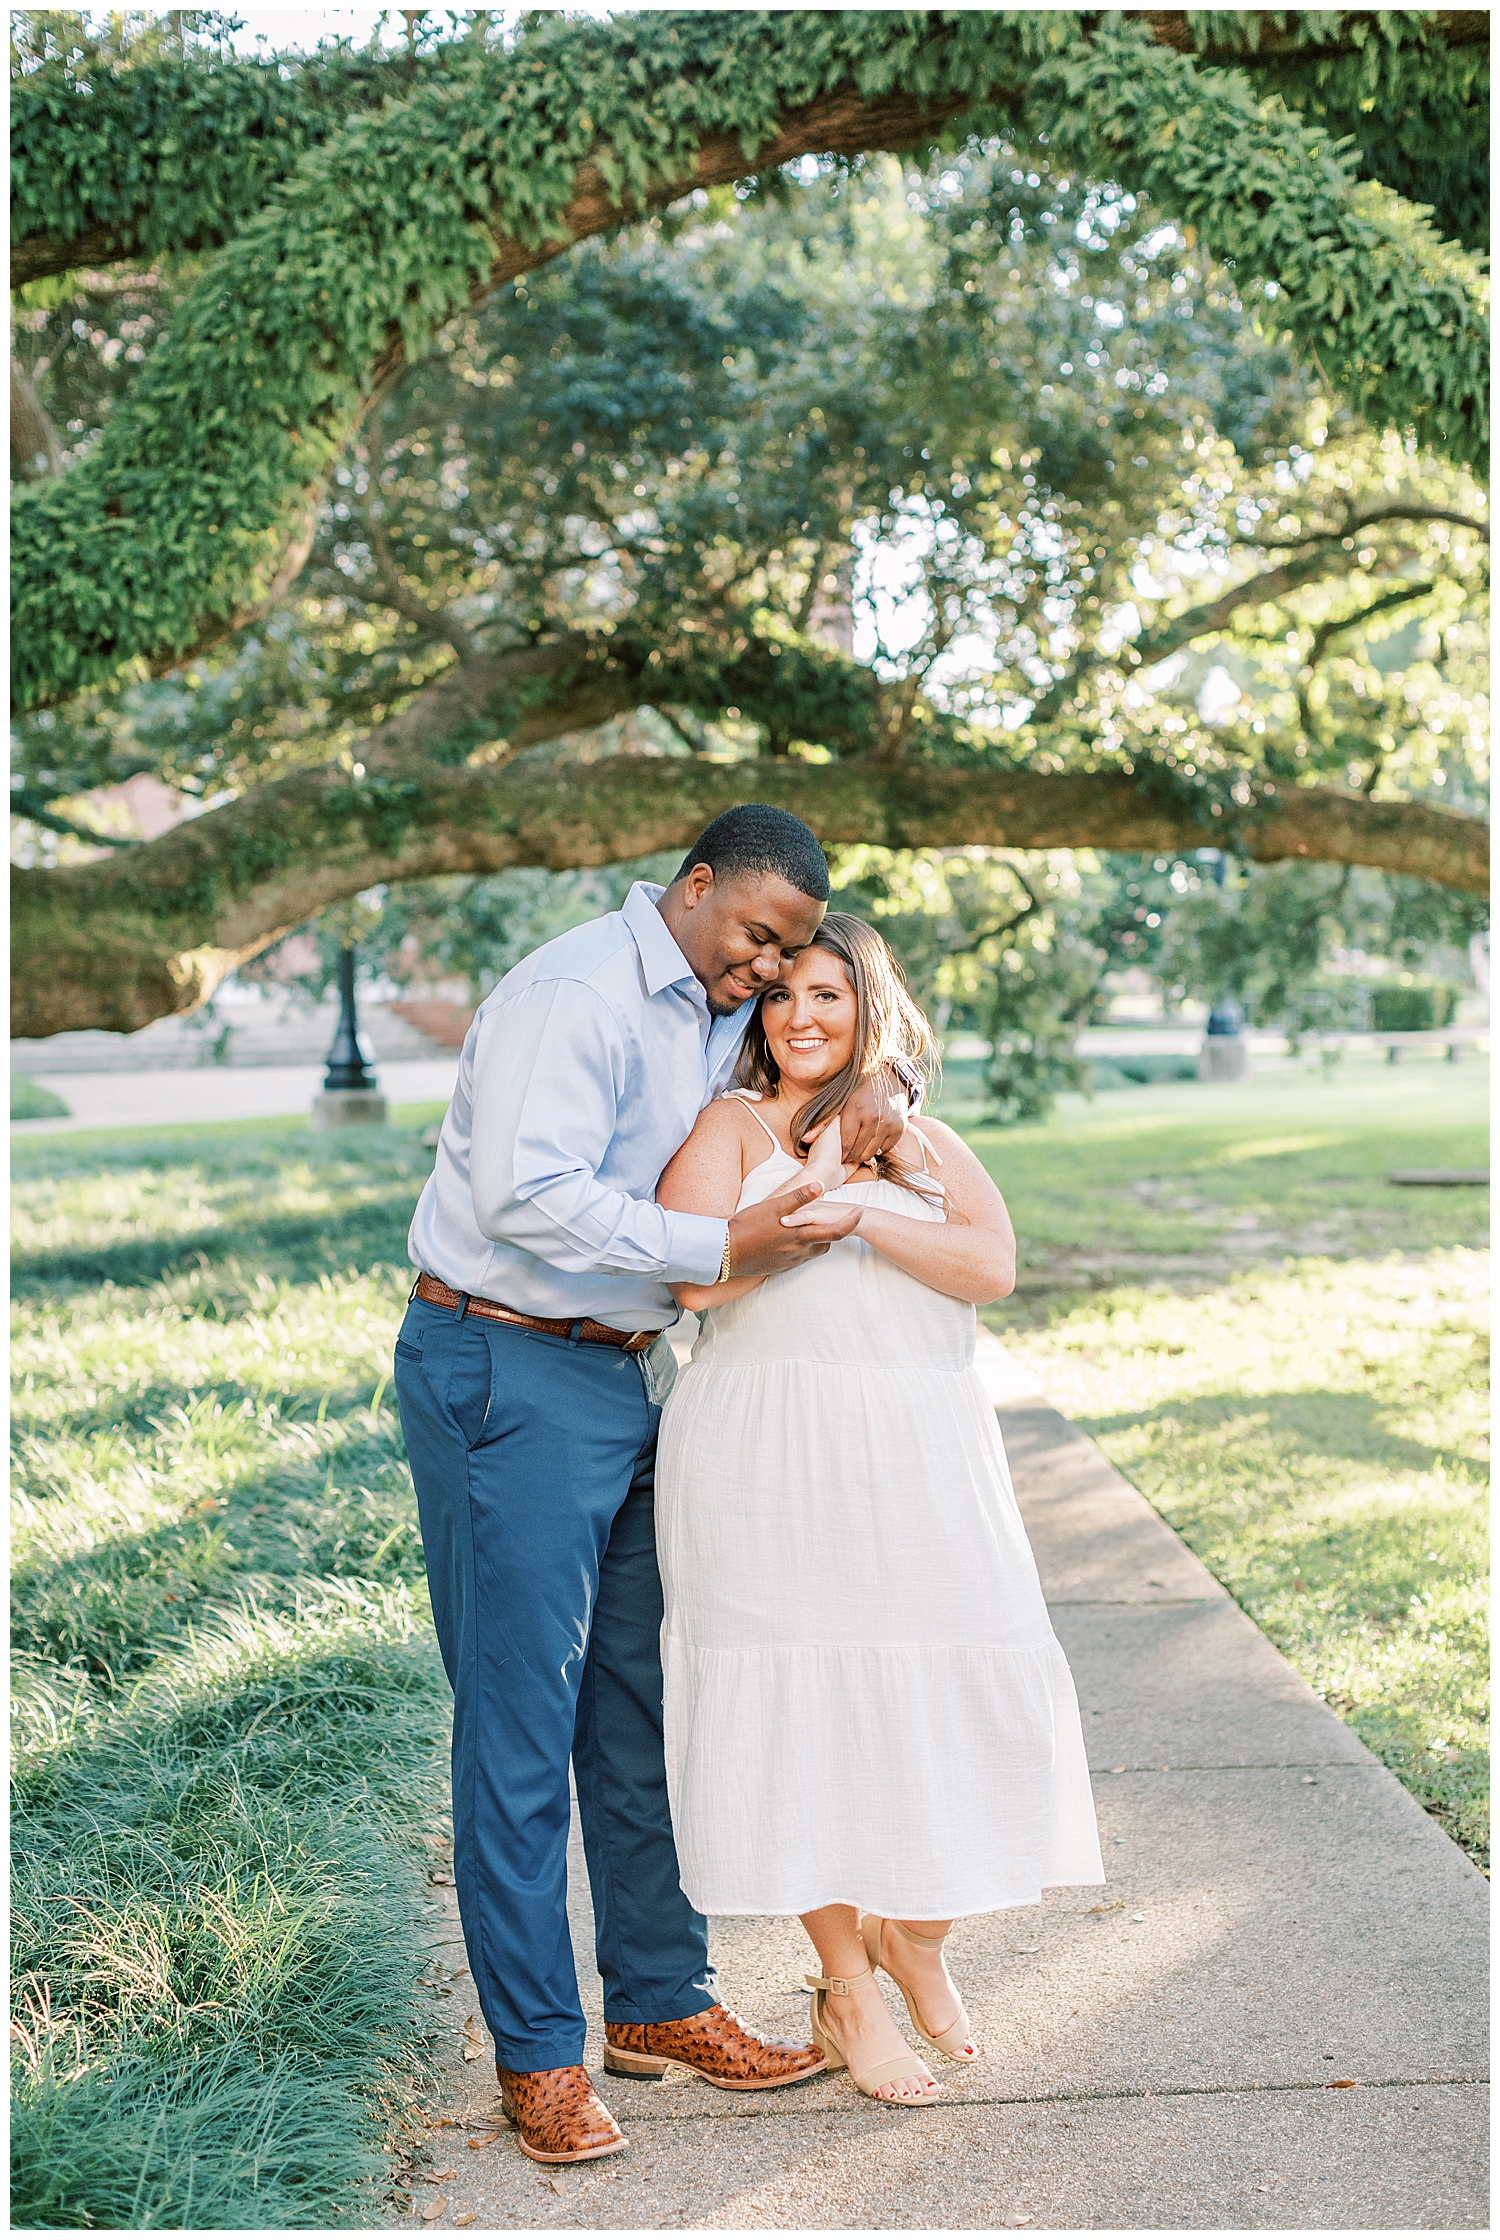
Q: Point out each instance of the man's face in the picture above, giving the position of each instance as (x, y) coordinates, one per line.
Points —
(737, 934)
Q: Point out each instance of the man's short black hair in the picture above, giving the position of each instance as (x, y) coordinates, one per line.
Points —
(754, 839)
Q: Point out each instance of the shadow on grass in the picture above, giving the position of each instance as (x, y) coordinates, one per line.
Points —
(153, 1407)
(118, 1605)
(1345, 1424)
(291, 1248)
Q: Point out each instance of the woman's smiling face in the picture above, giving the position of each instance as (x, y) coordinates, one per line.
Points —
(810, 1018)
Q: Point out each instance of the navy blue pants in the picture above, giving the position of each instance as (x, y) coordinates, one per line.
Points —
(533, 1460)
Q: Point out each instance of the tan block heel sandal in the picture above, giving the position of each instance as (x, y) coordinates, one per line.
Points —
(958, 2034)
(903, 2068)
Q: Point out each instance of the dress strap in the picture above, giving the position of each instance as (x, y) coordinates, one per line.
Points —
(937, 1192)
(743, 1097)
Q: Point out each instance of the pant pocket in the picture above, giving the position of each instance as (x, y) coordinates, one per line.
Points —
(658, 1367)
(471, 1383)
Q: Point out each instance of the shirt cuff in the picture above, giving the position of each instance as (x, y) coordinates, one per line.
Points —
(695, 1247)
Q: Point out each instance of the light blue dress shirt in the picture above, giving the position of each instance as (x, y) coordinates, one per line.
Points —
(583, 1072)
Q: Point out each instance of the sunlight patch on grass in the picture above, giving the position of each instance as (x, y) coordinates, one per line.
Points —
(1187, 1183)
(1275, 1147)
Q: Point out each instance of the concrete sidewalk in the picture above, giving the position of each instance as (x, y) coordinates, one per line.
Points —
(157, 1097)
(1272, 2017)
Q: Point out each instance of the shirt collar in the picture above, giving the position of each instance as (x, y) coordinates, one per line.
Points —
(662, 962)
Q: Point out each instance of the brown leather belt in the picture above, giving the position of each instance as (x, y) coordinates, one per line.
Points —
(592, 1333)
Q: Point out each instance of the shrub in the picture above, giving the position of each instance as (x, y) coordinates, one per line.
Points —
(1143, 1069)
(30, 1101)
(1411, 1008)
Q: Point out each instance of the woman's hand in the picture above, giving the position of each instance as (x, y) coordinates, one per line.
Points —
(825, 1159)
(781, 1232)
(972, 1254)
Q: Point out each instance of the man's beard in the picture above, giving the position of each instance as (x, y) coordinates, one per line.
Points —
(717, 1009)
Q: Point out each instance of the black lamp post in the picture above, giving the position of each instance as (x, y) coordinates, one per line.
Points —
(346, 1061)
(350, 1096)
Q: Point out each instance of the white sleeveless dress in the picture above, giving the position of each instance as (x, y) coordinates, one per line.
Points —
(865, 1702)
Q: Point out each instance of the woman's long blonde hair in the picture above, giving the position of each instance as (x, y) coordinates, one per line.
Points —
(887, 1025)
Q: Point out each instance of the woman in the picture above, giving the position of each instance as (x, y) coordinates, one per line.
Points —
(869, 1721)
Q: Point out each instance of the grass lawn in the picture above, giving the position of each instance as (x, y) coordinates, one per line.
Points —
(230, 1713)
(1287, 1354)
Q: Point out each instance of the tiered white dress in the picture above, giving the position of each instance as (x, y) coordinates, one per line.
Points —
(865, 1702)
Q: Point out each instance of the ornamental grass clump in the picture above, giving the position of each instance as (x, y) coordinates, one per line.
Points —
(229, 1712)
(214, 1922)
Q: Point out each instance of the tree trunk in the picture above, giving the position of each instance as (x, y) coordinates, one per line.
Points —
(34, 448)
(154, 930)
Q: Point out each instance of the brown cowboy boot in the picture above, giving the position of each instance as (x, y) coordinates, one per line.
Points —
(558, 2114)
(716, 2045)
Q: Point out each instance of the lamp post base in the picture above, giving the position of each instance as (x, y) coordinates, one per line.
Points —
(1223, 1057)
(350, 1108)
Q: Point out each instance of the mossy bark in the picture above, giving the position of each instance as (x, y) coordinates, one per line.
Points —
(117, 944)
(192, 512)
(243, 135)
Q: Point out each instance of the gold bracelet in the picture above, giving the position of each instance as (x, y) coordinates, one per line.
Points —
(724, 1263)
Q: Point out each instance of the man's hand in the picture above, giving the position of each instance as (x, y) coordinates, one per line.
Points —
(874, 1119)
(762, 1245)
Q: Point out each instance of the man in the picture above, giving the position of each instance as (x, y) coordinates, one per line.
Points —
(530, 1371)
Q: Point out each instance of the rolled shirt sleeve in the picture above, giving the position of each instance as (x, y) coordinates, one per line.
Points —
(549, 1072)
